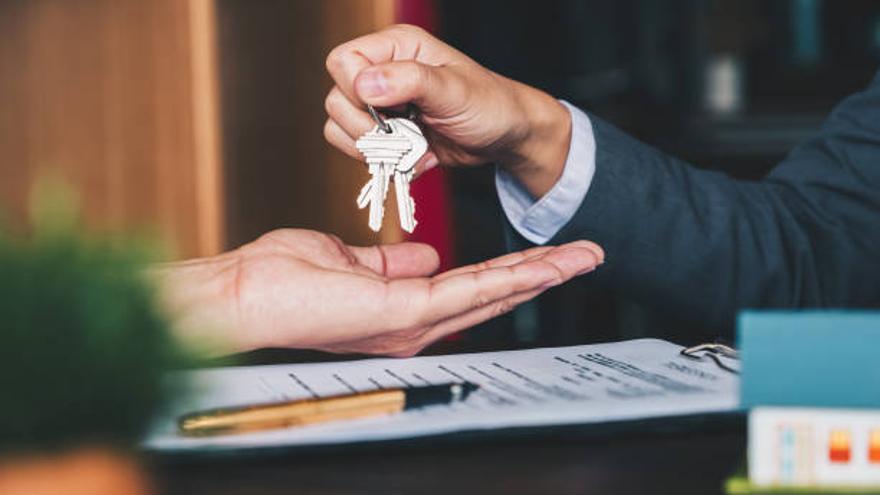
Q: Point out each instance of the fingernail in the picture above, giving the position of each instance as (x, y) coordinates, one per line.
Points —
(371, 83)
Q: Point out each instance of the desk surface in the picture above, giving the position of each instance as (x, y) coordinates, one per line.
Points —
(681, 463)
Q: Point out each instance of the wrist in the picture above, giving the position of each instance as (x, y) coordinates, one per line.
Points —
(199, 298)
(541, 153)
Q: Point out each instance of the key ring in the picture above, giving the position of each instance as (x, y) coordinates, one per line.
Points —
(385, 126)
(714, 352)
(412, 113)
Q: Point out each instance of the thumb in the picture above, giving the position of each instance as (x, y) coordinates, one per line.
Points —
(403, 260)
(435, 90)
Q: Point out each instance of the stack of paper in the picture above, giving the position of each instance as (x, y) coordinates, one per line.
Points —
(553, 386)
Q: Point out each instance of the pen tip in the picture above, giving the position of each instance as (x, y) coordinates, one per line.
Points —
(467, 388)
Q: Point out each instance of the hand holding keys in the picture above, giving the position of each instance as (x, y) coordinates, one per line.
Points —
(391, 148)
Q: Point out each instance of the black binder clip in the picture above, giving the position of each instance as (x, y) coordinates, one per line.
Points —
(714, 352)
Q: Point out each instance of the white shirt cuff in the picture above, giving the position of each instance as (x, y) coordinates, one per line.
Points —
(538, 221)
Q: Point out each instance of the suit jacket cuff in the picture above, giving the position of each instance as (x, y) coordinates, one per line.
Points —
(538, 221)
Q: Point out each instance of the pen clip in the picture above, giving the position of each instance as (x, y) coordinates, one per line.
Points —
(714, 352)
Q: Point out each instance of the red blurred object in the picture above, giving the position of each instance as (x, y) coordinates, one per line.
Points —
(422, 13)
(840, 446)
(874, 447)
(430, 191)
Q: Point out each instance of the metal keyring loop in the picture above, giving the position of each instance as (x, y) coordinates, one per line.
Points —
(714, 352)
(412, 112)
(386, 128)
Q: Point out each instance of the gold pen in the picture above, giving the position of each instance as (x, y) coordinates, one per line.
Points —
(310, 411)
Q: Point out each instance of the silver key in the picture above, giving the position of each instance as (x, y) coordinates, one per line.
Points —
(418, 141)
(403, 175)
(383, 152)
(406, 206)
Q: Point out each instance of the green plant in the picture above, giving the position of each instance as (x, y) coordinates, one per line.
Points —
(83, 345)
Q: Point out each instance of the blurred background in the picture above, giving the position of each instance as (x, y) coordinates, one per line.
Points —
(203, 118)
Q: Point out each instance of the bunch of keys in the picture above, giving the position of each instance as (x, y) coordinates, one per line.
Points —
(391, 149)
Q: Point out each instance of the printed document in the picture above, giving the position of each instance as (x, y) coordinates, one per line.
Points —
(621, 381)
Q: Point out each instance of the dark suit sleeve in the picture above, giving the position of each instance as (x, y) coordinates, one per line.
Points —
(701, 245)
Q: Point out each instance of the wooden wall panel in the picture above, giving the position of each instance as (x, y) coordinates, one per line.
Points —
(279, 170)
(158, 121)
(109, 95)
(343, 21)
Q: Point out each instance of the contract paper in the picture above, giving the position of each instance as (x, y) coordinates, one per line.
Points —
(629, 380)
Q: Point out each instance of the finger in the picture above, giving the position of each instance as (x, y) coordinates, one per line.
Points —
(400, 344)
(417, 311)
(404, 260)
(573, 259)
(432, 89)
(346, 61)
(339, 139)
(592, 246)
(352, 119)
(425, 163)
(461, 293)
(563, 258)
(520, 256)
(477, 316)
(506, 260)
(348, 122)
(410, 342)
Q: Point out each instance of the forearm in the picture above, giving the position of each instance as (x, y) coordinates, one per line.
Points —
(703, 246)
(199, 297)
(539, 219)
(538, 158)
